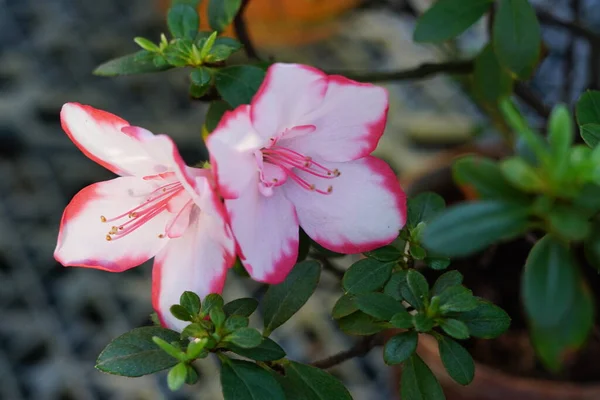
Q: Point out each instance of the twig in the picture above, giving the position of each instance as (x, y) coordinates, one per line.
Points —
(548, 19)
(360, 349)
(570, 61)
(531, 99)
(241, 32)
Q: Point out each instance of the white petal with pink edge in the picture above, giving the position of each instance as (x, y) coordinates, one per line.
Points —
(288, 93)
(365, 210)
(196, 262)
(232, 145)
(98, 135)
(82, 240)
(349, 122)
(266, 230)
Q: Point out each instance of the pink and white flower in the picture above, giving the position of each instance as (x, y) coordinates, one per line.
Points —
(158, 207)
(299, 155)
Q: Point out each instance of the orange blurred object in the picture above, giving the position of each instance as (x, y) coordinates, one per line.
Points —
(273, 23)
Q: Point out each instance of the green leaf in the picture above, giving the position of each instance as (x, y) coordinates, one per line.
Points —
(449, 18)
(344, 306)
(456, 299)
(304, 382)
(192, 375)
(246, 338)
(418, 382)
(243, 380)
(217, 317)
(590, 134)
(416, 292)
(492, 81)
(417, 252)
(267, 350)
(423, 208)
(207, 45)
(378, 305)
(549, 281)
(146, 44)
(238, 84)
(591, 247)
(360, 324)
(570, 222)
(455, 328)
(457, 361)
(393, 286)
(195, 348)
(181, 313)
(517, 36)
(191, 302)
(136, 63)
(284, 300)
(177, 376)
(244, 307)
(171, 349)
(135, 354)
(214, 114)
(560, 133)
(400, 347)
(367, 275)
(201, 76)
(183, 21)
(402, 320)
(233, 44)
(522, 175)
(195, 330)
(222, 12)
(422, 322)
(469, 227)
(236, 322)
(446, 280)
(385, 253)
(588, 108)
(437, 263)
(211, 301)
(486, 321)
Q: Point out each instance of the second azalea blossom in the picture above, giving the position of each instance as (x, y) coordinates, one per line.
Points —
(299, 155)
(158, 207)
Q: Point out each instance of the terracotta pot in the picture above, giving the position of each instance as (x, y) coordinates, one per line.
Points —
(489, 383)
(273, 23)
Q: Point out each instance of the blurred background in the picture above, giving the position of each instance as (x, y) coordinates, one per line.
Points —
(54, 321)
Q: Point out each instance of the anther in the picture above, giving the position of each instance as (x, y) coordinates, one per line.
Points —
(330, 189)
(275, 180)
(108, 238)
(336, 172)
(161, 236)
(102, 218)
(113, 230)
(312, 187)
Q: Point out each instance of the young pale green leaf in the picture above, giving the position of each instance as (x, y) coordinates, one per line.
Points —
(423, 208)
(177, 376)
(590, 133)
(560, 133)
(393, 286)
(385, 254)
(367, 275)
(569, 222)
(135, 354)
(195, 330)
(171, 349)
(457, 361)
(191, 302)
(207, 45)
(418, 382)
(522, 175)
(146, 44)
(137, 63)
(211, 301)
(378, 305)
(531, 143)
(467, 228)
(246, 338)
(449, 18)
(455, 328)
(516, 36)
(456, 299)
(422, 322)
(217, 317)
(196, 347)
(284, 300)
(402, 320)
(492, 82)
(360, 324)
(214, 114)
(267, 350)
(486, 321)
(244, 307)
(416, 290)
(222, 12)
(437, 263)
(446, 280)
(400, 347)
(344, 306)
(183, 21)
(192, 375)
(549, 281)
(238, 84)
(303, 382)
(243, 380)
(236, 322)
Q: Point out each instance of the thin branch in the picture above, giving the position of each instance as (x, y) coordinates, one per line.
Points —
(531, 99)
(548, 19)
(360, 349)
(421, 72)
(241, 32)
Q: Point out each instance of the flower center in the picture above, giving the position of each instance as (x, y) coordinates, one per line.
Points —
(155, 203)
(291, 161)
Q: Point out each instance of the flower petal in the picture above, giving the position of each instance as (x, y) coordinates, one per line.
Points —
(98, 135)
(266, 230)
(82, 237)
(232, 145)
(365, 210)
(349, 122)
(196, 262)
(288, 93)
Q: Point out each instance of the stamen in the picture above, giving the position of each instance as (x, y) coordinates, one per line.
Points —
(161, 236)
(102, 218)
(108, 238)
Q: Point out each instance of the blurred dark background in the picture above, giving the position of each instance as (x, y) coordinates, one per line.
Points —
(54, 321)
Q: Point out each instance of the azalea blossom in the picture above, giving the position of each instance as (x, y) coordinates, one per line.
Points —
(299, 155)
(157, 207)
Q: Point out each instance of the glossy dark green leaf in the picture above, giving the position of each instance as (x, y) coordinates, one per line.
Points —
(136, 63)
(400, 347)
(590, 134)
(485, 177)
(569, 222)
(243, 380)
(492, 82)
(360, 324)
(422, 322)
(267, 350)
(418, 382)
(446, 280)
(393, 286)
(246, 338)
(402, 320)
(367, 275)
(181, 313)
(183, 21)
(191, 302)
(485, 321)
(303, 382)
(244, 307)
(588, 108)
(549, 281)
(517, 36)
(344, 306)
(238, 84)
(416, 292)
(378, 305)
(437, 263)
(469, 227)
(456, 299)
(211, 301)
(236, 322)
(222, 12)
(385, 253)
(455, 328)
(457, 360)
(284, 300)
(423, 208)
(135, 354)
(449, 18)
(592, 247)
